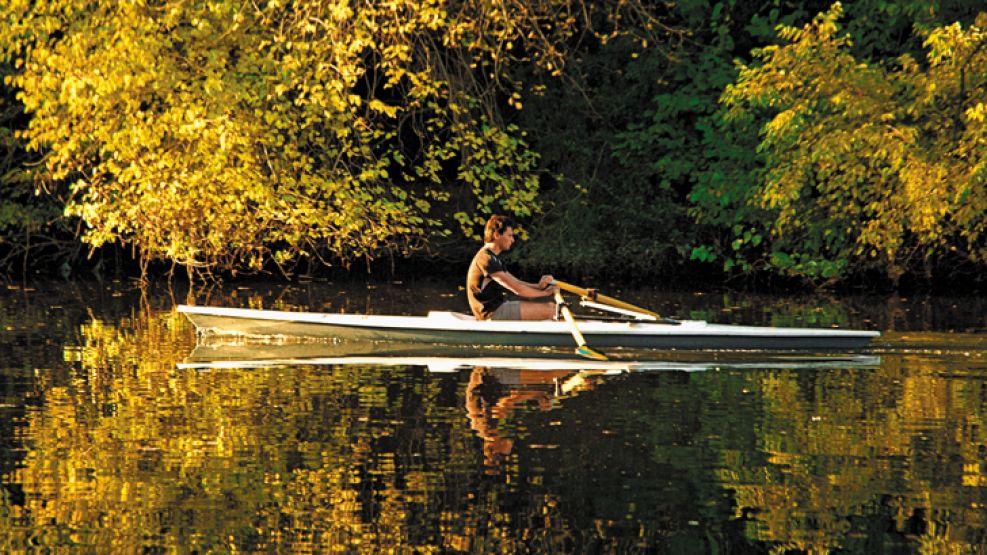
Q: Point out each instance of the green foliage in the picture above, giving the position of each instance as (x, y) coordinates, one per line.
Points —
(652, 171)
(639, 138)
(867, 168)
(609, 212)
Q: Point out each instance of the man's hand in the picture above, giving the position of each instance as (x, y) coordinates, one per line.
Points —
(545, 281)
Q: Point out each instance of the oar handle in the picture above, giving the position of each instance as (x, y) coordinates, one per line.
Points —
(575, 290)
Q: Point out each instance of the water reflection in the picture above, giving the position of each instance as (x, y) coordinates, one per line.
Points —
(111, 443)
(492, 398)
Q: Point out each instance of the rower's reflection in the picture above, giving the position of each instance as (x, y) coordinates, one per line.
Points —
(494, 394)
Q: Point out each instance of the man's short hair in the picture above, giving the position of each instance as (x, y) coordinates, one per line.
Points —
(496, 224)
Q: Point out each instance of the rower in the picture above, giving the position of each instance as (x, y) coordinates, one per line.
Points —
(488, 280)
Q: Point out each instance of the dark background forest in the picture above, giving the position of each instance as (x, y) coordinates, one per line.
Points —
(773, 142)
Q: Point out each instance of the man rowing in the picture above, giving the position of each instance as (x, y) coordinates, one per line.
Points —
(488, 280)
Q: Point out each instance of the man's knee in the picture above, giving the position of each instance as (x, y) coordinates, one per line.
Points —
(550, 311)
(537, 311)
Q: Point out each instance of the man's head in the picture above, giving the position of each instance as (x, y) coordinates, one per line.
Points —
(498, 226)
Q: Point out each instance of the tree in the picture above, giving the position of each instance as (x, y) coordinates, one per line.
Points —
(32, 231)
(223, 134)
(866, 167)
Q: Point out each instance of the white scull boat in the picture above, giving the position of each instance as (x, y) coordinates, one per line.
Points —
(451, 328)
(440, 364)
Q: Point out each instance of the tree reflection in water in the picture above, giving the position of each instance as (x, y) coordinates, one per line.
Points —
(109, 447)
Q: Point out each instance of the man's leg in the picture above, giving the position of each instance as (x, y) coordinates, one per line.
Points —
(537, 311)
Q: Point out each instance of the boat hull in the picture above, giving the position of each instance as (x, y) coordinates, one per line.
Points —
(454, 329)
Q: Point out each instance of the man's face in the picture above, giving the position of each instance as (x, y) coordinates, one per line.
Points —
(504, 240)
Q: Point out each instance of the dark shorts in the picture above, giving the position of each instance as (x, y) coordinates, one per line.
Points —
(510, 310)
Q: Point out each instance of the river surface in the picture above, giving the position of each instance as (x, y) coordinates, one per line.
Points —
(114, 440)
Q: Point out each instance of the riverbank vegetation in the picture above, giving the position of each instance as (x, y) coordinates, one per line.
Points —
(811, 142)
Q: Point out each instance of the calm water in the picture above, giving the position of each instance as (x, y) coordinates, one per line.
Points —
(110, 444)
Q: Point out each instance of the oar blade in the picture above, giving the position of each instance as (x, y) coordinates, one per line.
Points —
(585, 352)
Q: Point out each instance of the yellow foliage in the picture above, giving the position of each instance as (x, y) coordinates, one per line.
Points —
(221, 134)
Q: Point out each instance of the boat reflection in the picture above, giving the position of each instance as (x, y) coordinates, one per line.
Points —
(248, 354)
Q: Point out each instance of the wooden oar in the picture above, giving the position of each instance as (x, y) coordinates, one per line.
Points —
(592, 295)
(582, 349)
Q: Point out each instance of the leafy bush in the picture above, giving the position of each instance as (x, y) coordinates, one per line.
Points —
(867, 167)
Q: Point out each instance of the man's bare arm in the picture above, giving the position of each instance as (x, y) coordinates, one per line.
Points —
(521, 288)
